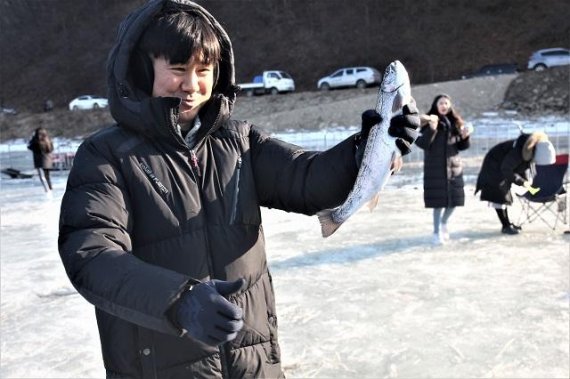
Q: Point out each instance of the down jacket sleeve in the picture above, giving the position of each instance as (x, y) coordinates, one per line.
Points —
(294, 180)
(95, 246)
(463, 143)
(508, 167)
(426, 137)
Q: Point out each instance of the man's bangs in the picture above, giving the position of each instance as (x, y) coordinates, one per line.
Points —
(187, 35)
(200, 40)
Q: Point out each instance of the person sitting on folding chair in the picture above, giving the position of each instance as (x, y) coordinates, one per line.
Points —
(507, 163)
(548, 198)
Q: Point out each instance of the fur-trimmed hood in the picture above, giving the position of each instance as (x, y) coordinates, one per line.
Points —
(530, 144)
(157, 116)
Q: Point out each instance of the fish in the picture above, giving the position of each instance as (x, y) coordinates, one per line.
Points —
(381, 156)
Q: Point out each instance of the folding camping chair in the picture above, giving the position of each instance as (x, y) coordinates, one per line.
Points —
(548, 204)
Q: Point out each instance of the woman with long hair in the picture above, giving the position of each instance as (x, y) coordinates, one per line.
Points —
(42, 147)
(443, 134)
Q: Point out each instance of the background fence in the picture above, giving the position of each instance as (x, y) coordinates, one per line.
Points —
(488, 132)
(486, 135)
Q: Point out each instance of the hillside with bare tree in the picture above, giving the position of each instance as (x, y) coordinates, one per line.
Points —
(57, 49)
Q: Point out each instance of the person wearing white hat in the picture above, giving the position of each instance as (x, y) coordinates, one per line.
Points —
(508, 163)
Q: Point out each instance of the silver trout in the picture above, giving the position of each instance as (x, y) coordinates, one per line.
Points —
(380, 151)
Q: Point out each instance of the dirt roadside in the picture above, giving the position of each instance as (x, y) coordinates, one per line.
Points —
(534, 93)
(312, 110)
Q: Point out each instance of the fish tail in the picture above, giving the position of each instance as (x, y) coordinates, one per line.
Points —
(328, 226)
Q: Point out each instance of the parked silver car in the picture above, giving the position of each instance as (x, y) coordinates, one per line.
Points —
(88, 102)
(541, 59)
(359, 77)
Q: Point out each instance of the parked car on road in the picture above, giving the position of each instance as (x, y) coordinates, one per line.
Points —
(541, 59)
(8, 111)
(493, 69)
(359, 77)
(88, 102)
(272, 82)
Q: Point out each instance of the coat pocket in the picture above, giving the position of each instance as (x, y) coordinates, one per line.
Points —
(235, 195)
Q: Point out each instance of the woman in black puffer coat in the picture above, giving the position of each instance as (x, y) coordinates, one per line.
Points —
(442, 136)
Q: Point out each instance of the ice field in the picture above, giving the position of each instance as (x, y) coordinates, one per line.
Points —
(375, 300)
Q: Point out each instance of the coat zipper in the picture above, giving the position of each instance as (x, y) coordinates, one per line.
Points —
(223, 352)
(194, 163)
(236, 191)
(195, 166)
(447, 165)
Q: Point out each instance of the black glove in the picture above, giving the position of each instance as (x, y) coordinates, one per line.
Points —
(404, 128)
(207, 315)
(369, 118)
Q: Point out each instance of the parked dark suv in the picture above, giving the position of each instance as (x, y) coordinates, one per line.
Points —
(493, 69)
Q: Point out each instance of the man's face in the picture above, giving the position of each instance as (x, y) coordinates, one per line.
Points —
(191, 82)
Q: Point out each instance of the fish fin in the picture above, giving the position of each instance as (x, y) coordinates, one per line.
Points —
(328, 226)
(373, 202)
(397, 163)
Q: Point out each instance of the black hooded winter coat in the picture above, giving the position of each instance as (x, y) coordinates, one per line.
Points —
(142, 216)
(505, 164)
(443, 168)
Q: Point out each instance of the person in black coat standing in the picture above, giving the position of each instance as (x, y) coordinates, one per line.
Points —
(443, 135)
(510, 162)
(160, 224)
(42, 147)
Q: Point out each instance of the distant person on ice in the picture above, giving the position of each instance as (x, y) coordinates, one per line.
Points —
(160, 223)
(42, 147)
(443, 135)
(510, 162)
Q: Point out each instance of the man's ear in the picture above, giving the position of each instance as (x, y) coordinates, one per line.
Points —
(142, 71)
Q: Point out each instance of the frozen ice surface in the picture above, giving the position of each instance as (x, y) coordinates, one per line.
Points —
(47, 330)
(374, 300)
(377, 300)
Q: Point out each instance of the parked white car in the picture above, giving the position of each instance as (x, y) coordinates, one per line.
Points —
(541, 59)
(88, 102)
(359, 77)
(272, 82)
(9, 111)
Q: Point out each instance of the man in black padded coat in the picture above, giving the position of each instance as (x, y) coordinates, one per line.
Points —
(160, 224)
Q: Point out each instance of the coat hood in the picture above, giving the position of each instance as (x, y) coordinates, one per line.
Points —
(529, 147)
(131, 107)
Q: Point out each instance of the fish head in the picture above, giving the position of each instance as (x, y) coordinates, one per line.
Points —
(395, 76)
(396, 79)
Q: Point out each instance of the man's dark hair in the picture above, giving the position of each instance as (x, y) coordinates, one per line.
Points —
(175, 35)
